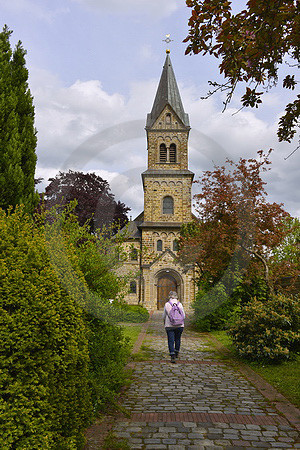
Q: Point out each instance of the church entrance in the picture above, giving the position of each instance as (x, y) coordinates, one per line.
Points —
(165, 284)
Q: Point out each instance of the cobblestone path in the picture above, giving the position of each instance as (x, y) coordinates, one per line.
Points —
(201, 402)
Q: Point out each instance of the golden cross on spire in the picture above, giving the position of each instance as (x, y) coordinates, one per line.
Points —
(168, 39)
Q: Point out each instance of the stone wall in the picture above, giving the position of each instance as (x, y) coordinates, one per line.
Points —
(157, 187)
(130, 268)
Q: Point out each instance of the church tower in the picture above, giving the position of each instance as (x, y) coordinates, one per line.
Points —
(167, 186)
(167, 182)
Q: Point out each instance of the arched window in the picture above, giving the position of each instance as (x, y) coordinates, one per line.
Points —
(172, 153)
(162, 153)
(168, 205)
(168, 119)
(159, 245)
(132, 288)
(175, 246)
(134, 254)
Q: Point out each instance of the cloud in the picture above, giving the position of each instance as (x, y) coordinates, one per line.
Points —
(68, 116)
(83, 127)
(216, 136)
(149, 7)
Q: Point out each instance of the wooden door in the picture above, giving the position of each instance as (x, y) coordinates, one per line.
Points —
(165, 284)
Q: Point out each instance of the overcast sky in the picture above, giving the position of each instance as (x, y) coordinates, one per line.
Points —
(94, 69)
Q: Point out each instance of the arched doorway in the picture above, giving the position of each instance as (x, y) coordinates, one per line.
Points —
(166, 282)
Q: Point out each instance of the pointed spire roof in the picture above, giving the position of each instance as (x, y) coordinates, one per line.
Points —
(167, 94)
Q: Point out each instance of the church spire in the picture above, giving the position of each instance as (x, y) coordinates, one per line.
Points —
(167, 94)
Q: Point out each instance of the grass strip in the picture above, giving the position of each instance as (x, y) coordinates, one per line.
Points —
(131, 332)
(284, 376)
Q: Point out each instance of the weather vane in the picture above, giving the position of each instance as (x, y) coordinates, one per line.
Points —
(167, 40)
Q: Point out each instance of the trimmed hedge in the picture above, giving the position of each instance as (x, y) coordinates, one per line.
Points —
(268, 330)
(108, 349)
(44, 359)
(58, 363)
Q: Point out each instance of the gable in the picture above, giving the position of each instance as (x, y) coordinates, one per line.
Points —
(165, 258)
(168, 119)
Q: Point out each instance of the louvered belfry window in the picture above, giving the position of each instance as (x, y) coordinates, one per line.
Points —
(168, 205)
(172, 153)
(162, 153)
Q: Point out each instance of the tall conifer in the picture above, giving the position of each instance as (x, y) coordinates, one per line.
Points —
(17, 133)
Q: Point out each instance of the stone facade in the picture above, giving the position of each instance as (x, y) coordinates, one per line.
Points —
(154, 264)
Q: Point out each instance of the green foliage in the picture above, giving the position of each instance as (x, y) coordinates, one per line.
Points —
(60, 360)
(96, 255)
(214, 309)
(289, 248)
(112, 442)
(44, 358)
(249, 288)
(285, 377)
(216, 302)
(108, 351)
(268, 330)
(132, 313)
(131, 332)
(17, 133)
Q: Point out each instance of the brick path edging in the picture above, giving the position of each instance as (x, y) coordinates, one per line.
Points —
(208, 418)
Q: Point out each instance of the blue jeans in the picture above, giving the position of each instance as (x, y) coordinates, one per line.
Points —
(174, 337)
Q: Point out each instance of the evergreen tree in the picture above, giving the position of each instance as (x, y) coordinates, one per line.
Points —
(17, 133)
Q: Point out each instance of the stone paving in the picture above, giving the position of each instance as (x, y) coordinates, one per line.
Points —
(198, 403)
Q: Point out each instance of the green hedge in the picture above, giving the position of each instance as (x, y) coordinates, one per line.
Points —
(108, 351)
(58, 364)
(44, 359)
(268, 330)
(132, 313)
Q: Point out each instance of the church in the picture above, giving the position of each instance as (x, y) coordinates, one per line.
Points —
(151, 239)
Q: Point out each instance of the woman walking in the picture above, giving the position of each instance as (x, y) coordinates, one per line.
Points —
(174, 324)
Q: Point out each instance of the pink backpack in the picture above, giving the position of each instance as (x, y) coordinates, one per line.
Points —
(176, 315)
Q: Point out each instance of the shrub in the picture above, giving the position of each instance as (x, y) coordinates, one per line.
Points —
(213, 308)
(268, 330)
(59, 359)
(132, 313)
(220, 319)
(44, 359)
(108, 354)
(96, 256)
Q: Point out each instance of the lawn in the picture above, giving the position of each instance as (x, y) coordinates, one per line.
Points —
(131, 332)
(285, 377)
